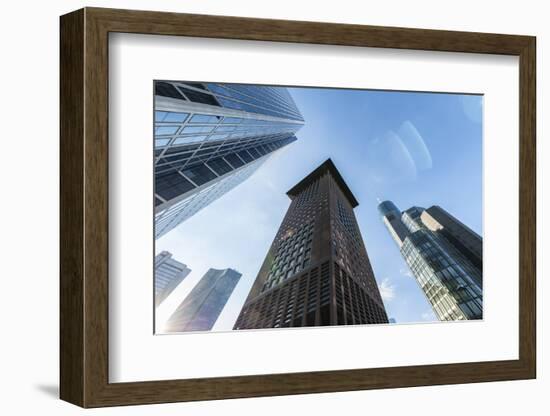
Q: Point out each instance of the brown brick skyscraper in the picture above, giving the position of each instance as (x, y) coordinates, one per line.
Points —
(317, 271)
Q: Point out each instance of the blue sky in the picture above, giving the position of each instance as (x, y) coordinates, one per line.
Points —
(417, 149)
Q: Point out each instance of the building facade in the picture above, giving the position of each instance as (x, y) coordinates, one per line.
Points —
(317, 271)
(202, 307)
(441, 253)
(211, 137)
(168, 275)
(465, 240)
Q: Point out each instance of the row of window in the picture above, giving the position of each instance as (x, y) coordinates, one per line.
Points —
(304, 213)
(447, 289)
(276, 97)
(186, 91)
(171, 184)
(307, 195)
(230, 145)
(252, 99)
(303, 301)
(292, 255)
(178, 128)
(165, 118)
(163, 131)
(348, 246)
(185, 208)
(175, 159)
(354, 305)
(180, 91)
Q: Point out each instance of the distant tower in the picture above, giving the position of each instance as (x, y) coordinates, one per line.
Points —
(444, 256)
(392, 219)
(209, 138)
(317, 271)
(202, 307)
(168, 275)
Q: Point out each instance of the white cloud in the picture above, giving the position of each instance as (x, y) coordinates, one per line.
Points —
(405, 272)
(387, 290)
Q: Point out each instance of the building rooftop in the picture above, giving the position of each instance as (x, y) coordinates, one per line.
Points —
(327, 167)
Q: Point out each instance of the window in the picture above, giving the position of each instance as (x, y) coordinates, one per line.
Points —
(166, 130)
(165, 89)
(203, 118)
(231, 120)
(254, 153)
(199, 174)
(161, 142)
(175, 117)
(189, 139)
(217, 137)
(219, 165)
(199, 97)
(197, 129)
(159, 115)
(234, 160)
(171, 185)
(196, 85)
(245, 156)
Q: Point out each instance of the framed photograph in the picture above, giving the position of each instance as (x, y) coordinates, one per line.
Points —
(256, 207)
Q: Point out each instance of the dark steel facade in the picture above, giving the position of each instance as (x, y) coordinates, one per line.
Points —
(317, 271)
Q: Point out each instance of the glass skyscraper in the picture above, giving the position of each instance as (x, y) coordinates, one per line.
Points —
(202, 307)
(469, 243)
(211, 137)
(444, 256)
(317, 271)
(168, 275)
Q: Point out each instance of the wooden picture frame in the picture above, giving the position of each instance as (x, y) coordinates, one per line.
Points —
(84, 207)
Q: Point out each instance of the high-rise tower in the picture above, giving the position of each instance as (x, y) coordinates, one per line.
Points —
(444, 256)
(465, 240)
(211, 137)
(317, 271)
(168, 275)
(202, 307)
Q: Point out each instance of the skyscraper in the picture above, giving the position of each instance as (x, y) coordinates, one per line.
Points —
(168, 275)
(459, 235)
(211, 137)
(317, 271)
(202, 307)
(443, 255)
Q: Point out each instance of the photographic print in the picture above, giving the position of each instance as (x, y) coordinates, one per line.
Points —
(291, 207)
